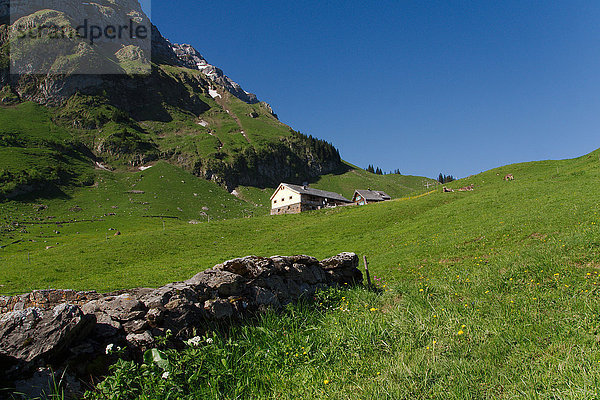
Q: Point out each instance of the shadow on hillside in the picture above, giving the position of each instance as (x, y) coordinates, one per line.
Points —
(342, 169)
(47, 191)
(299, 179)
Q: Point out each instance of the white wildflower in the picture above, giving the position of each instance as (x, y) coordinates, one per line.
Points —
(209, 340)
(195, 341)
(165, 375)
(109, 348)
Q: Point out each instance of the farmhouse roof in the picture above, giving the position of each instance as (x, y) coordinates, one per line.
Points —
(373, 195)
(314, 192)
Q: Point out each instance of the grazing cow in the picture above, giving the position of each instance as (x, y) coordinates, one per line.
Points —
(446, 190)
(509, 177)
(467, 188)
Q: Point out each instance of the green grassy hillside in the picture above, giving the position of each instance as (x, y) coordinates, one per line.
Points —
(347, 182)
(36, 151)
(225, 129)
(490, 294)
(356, 178)
(187, 120)
(546, 198)
(130, 200)
(487, 294)
(40, 152)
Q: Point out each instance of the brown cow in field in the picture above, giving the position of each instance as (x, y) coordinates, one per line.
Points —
(509, 177)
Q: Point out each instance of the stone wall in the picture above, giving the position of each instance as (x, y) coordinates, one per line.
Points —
(61, 328)
(44, 298)
(291, 209)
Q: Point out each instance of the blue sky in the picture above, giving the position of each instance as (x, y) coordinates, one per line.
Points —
(457, 87)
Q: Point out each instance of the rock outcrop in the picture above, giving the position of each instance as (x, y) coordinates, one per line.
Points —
(67, 328)
(115, 14)
(189, 57)
(33, 334)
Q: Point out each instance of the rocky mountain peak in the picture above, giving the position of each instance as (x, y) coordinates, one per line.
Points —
(109, 11)
(189, 57)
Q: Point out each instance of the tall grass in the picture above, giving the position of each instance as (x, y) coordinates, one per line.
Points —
(402, 343)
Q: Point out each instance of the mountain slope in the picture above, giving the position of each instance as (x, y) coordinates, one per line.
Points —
(356, 178)
(346, 182)
(36, 153)
(485, 294)
(185, 111)
(57, 131)
(549, 202)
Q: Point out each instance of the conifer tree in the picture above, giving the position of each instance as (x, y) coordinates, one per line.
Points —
(445, 178)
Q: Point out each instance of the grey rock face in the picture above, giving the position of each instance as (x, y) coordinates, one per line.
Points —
(31, 334)
(143, 340)
(4, 9)
(343, 268)
(224, 282)
(248, 267)
(219, 308)
(264, 297)
(189, 57)
(341, 261)
(106, 327)
(122, 308)
(119, 13)
(44, 298)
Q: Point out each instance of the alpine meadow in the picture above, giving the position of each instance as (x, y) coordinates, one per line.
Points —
(122, 195)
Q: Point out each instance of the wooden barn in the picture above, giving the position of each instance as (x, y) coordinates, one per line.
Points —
(362, 197)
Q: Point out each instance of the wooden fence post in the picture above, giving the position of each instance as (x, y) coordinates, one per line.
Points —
(367, 271)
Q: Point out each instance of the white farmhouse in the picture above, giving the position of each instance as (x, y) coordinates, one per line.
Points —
(293, 199)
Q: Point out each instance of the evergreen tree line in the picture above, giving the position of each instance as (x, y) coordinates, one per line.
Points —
(445, 178)
(322, 149)
(378, 170)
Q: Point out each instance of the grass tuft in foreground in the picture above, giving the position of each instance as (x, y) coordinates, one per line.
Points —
(427, 338)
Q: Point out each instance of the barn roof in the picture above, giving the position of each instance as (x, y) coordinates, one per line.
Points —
(314, 192)
(373, 195)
